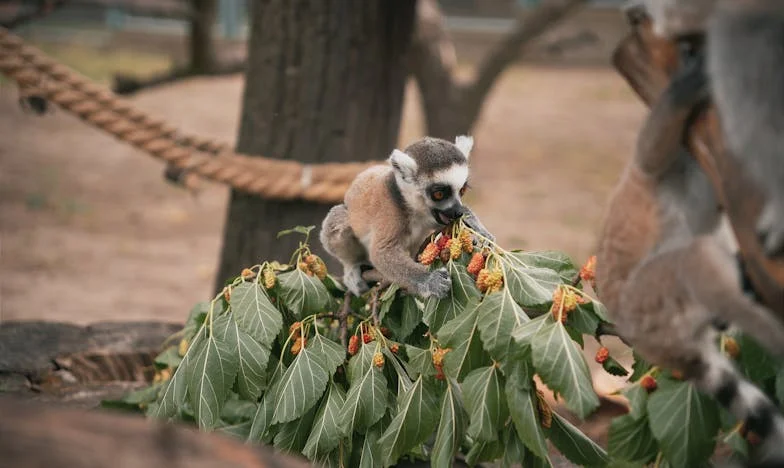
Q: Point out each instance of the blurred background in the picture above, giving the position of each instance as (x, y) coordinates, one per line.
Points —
(90, 230)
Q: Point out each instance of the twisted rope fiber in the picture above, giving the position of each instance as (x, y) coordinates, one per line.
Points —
(266, 177)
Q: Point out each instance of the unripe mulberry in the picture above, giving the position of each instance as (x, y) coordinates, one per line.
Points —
(299, 343)
(588, 271)
(294, 329)
(316, 266)
(378, 360)
(482, 279)
(648, 383)
(247, 273)
(731, 347)
(466, 241)
(443, 241)
(429, 254)
(304, 267)
(183, 347)
(394, 347)
(476, 264)
(227, 293)
(455, 249)
(353, 345)
(564, 301)
(438, 356)
(495, 281)
(602, 354)
(545, 412)
(269, 278)
(367, 338)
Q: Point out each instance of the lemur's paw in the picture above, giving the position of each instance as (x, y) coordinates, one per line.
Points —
(770, 229)
(438, 284)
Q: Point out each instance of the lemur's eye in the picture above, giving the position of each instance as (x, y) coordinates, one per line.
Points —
(438, 195)
(463, 190)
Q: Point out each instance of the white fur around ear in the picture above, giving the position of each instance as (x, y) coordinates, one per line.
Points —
(403, 164)
(464, 143)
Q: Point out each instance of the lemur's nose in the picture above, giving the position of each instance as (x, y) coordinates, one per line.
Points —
(454, 211)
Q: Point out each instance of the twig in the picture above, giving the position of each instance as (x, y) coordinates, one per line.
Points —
(374, 307)
(343, 318)
(608, 329)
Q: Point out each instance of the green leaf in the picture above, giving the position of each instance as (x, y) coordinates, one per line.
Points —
(461, 334)
(583, 320)
(414, 422)
(574, 445)
(304, 230)
(239, 430)
(195, 319)
(639, 368)
(366, 402)
(684, 422)
(170, 357)
(549, 259)
(263, 418)
(253, 359)
(332, 354)
(756, 362)
(498, 315)
(530, 286)
(235, 411)
(439, 311)
(420, 361)
(403, 317)
(638, 399)
(212, 374)
(325, 435)
(485, 451)
(451, 427)
(254, 313)
(291, 436)
(562, 367)
(370, 452)
(143, 395)
(523, 334)
(301, 386)
(523, 408)
(737, 443)
(303, 294)
(780, 386)
(613, 367)
(631, 440)
(360, 362)
(483, 396)
(175, 392)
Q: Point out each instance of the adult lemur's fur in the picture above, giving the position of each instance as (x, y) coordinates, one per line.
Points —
(666, 267)
(745, 49)
(389, 210)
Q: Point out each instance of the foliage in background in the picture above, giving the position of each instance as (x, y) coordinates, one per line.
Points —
(284, 356)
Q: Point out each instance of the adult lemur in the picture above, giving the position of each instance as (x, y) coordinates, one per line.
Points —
(745, 50)
(390, 209)
(666, 267)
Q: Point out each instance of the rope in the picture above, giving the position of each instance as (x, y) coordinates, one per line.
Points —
(267, 177)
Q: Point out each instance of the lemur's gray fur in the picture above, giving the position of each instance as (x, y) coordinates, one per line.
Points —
(745, 61)
(666, 266)
(389, 210)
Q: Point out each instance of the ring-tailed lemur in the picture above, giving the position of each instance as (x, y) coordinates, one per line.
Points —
(666, 265)
(745, 61)
(390, 209)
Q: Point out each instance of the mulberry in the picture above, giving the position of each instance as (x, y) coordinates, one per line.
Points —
(444, 255)
(227, 293)
(545, 412)
(429, 254)
(438, 356)
(482, 279)
(183, 347)
(602, 354)
(455, 249)
(247, 273)
(295, 328)
(304, 267)
(367, 338)
(588, 271)
(466, 241)
(316, 266)
(476, 263)
(353, 345)
(648, 383)
(443, 241)
(378, 360)
(564, 301)
(299, 343)
(394, 347)
(495, 281)
(269, 278)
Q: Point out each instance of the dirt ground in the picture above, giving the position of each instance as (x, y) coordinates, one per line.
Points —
(90, 231)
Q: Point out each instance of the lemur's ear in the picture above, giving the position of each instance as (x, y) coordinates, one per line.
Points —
(404, 165)
(464, 143)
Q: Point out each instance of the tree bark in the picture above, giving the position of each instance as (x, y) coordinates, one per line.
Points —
(202, 46)
(325, 83)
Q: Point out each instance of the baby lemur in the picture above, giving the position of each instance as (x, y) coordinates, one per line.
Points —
(745, 61)
(390, 209)
(666, 267)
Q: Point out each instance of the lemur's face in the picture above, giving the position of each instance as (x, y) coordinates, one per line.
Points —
(443, 192)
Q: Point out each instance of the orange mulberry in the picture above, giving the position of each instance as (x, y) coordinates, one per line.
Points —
(438, 356)
(247, 273)
(455, 249)
(316, 266)
(304, 267)
(731, 347)
(466, 241)
(588, 271)
(269, 278)
(495, 281)
(602, 354)
(648, 383)
(564, 301)
(429, 254)
(299, 343)
(378, 360)
(477, 263)
(294, 329)
(227, 293)
(394, 347)
(353, 345)
(482, 279)
(367, 338)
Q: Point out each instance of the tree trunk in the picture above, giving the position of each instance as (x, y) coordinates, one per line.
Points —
(201, 43)
(325, 83)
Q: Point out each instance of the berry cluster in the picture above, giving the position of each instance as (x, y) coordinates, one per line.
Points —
(438, 361)
(489, 281)
(313, 265)
(268, 277)
(447, 248)
(565, 300)
(588, 271)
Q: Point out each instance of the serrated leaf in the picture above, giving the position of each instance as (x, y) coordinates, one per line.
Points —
(212, 375)
(254, 313)
(498, 315)
(325, 435)
(291, 436)
(631, 440)
(483, 397)
(235, 411)
(263, 418)
(174, 394)
(613, 367)
(461, 334)
(360, 362)
(366, 402)
(370, 452)
(484, 451)
(530, 286)
(301, 386)
(238, 431)
(549, 259)
(638, 399)
(575, 445)
(451, 427)
(639, 368)
(562, 367)
(523, 334)
(170, 357)
(514, 450)
(303, 294)
(420, 360)
(332, 354)
(414, 422)
(144, 395)
(525, 416)
(583, 320)
(439, 311)
(755, 361)
(684, 422)
(253, 359)
(404, 317)
(195, 319)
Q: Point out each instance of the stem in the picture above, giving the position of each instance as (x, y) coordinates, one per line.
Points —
(374, 307)
(343, 317)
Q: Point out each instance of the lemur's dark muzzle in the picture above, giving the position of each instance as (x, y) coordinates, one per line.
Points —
(448, 215)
